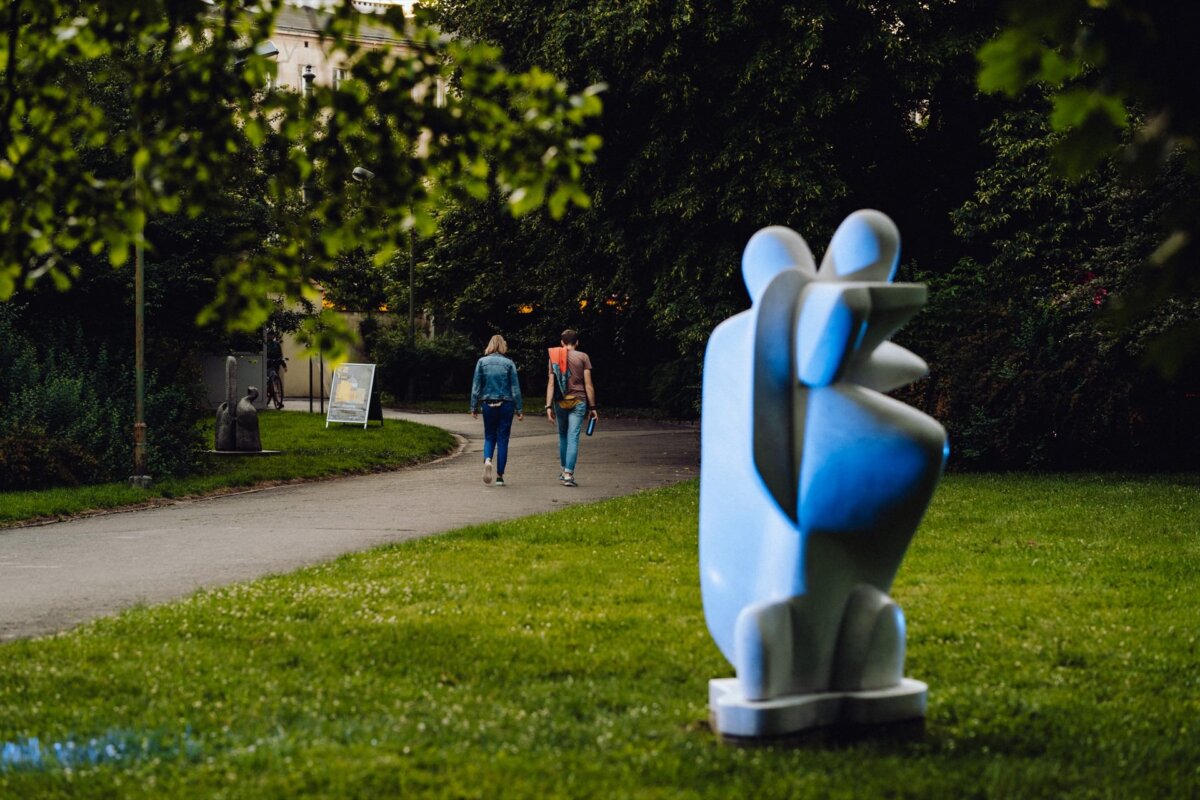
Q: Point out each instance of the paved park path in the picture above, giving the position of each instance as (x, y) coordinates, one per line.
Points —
(53, 577)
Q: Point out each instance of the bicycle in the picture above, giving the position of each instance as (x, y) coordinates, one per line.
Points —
(275, 383)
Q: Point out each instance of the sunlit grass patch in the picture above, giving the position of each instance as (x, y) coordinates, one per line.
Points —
(566, 655)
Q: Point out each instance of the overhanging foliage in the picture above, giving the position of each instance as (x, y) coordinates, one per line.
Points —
(194, 83)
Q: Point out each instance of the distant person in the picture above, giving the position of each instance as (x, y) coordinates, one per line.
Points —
(570, 398)
(497, 388)
(275, 352)
(276, 367)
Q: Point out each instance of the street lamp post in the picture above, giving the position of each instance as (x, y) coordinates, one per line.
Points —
(308, 192)
(139, 477)
(412, 316)
(308, 76)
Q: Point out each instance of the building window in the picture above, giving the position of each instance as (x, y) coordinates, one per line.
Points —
(339, 77)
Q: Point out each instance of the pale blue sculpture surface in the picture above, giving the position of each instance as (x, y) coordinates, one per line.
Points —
(812, 484)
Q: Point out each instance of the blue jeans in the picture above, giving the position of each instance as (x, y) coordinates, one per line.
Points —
(569, 425)
(497, 425)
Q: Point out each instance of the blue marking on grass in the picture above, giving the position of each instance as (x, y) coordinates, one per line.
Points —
(111, 747)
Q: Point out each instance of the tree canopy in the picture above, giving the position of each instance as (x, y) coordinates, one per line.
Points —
(720, 118)
(193, 81)
(724, 117)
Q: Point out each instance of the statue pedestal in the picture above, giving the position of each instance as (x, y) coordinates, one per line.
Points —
(736, 717)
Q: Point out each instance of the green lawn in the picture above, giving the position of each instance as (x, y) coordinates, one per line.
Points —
(309, 451)
(1054, 618)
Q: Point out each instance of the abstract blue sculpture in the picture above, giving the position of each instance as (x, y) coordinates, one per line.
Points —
(812, 484)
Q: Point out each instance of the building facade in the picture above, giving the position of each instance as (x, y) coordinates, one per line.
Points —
(298, 40)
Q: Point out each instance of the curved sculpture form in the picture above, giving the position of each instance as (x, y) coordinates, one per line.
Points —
(812, 484)
(248, 440)
(226, 432)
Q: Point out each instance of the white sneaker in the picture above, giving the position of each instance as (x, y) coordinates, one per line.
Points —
(489, 471)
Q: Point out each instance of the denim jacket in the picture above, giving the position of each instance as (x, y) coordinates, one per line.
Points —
(495, 379)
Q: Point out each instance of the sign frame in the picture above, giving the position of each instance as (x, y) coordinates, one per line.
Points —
(356, 408)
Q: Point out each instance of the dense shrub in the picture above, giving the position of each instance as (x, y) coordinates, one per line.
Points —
(675, 388)
(427, 367)
(1029, 368)
(66, 410)
(173, 439)
(30, 459)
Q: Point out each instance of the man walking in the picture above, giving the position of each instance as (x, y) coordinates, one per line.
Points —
(570, 398)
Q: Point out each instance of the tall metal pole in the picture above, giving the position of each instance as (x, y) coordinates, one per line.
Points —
(412, 320)
(139, 477)
(308, 76)
(412, 316)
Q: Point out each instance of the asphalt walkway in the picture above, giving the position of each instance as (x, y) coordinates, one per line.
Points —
(53, 577)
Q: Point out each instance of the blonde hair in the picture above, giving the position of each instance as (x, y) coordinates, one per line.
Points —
(496, 345)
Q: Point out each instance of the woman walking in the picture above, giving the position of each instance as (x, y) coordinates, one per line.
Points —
(498, 390)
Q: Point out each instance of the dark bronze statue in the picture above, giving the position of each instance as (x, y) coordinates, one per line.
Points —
(248, 440)
(226, 422)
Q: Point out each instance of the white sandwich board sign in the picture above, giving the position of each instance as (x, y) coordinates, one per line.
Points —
(350, 394)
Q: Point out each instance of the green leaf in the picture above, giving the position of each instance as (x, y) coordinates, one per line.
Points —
(141, 158)
(1074, 107)
(385, 254)
(558, 201)
(117, 256)
(1055, 69)
(255, 132)
(525, 199)
(62, 281)
(8, 284)
(1009, 62)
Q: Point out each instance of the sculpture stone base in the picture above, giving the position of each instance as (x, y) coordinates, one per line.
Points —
(735, 717)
